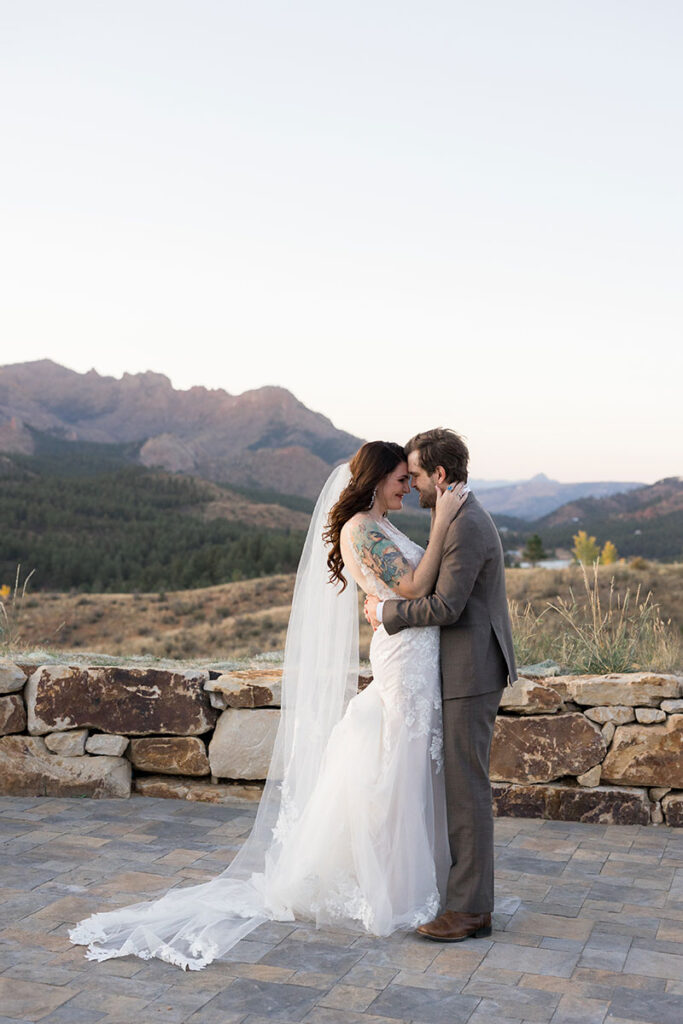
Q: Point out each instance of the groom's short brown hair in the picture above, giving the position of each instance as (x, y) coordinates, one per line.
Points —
(441, 447)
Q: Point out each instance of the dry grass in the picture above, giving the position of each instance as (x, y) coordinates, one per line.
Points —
(234, 620)
(588, 633)
(11, 604)
(625, 633)
(239, 620)
(597, 626)
(538, 586)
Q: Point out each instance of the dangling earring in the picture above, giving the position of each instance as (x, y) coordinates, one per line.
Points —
(372, 499)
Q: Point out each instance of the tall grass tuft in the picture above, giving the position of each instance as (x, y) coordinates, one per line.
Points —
(625, 633)
(10, 608)
(532, 640)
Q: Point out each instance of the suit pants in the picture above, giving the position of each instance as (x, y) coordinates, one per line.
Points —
(468, 730)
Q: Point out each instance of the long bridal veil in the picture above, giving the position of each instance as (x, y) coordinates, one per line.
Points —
(192, 926)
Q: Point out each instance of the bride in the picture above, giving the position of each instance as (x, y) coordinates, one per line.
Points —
(351, 829)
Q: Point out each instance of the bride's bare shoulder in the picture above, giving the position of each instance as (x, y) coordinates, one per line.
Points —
(356, 525)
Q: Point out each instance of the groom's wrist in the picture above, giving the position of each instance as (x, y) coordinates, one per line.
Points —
(378, 612)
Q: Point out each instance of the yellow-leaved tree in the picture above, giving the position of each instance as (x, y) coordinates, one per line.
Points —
(585, 549)
(609, 554)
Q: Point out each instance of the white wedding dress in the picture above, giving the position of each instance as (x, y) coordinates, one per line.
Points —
(351, 831)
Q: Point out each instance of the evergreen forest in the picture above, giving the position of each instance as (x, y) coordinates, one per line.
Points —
(90, 520)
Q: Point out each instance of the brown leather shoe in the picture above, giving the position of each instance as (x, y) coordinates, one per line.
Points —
(456, 925)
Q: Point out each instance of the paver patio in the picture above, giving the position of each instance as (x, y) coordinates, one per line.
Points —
(588, 928)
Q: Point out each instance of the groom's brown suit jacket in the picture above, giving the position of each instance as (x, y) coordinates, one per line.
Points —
(469, 604)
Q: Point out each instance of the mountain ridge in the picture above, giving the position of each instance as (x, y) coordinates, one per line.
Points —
(263, 436)
(540, 495)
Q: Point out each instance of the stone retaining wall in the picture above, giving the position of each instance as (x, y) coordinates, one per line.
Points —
(605, 749)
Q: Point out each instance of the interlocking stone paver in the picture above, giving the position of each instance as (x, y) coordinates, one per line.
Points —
(212, 1015)
(428, 979)
(429, 1006)
(568, 945)
(657, 965)
(314, 979)
(348, 997)
(262, 972)
(614, 980)
(482, 1015)
(370, 975)
(659, 1008)
(588, 926)
(530, 959)
(497, 974)
(282, 1002)
(318, 956)
(324, 1015)
(605, 959)
(31, 1000)
(560, 927)
(405, 958)
(573, 1009)
(459, 960)
(526, 1003)
(670, 931)
(247, 952)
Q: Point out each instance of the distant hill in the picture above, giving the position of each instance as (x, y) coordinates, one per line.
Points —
(85, 517)
(264, 439)
(647, 521)
(534, 498)
(657, 501)
(133, 484)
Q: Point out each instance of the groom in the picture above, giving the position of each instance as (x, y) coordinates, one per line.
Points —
(477, 661)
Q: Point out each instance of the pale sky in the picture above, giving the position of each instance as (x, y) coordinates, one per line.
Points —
(409, 214)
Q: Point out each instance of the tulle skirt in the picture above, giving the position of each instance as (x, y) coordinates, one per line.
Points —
(369, 852)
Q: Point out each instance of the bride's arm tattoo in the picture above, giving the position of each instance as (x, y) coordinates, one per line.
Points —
(379, 555)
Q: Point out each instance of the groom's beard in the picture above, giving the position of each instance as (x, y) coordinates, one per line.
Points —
(427, 500)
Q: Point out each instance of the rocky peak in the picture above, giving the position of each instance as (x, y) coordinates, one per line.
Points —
(234, 438)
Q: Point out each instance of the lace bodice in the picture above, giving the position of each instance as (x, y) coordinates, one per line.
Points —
(414, 689)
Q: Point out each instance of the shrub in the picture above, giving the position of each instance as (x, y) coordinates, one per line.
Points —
(639, 563)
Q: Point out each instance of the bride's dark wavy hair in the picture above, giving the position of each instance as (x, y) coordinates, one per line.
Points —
(372, 462)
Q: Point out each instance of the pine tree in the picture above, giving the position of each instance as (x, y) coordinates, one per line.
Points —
(533, 552)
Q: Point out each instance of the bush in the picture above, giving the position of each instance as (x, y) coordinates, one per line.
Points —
(639, 563)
